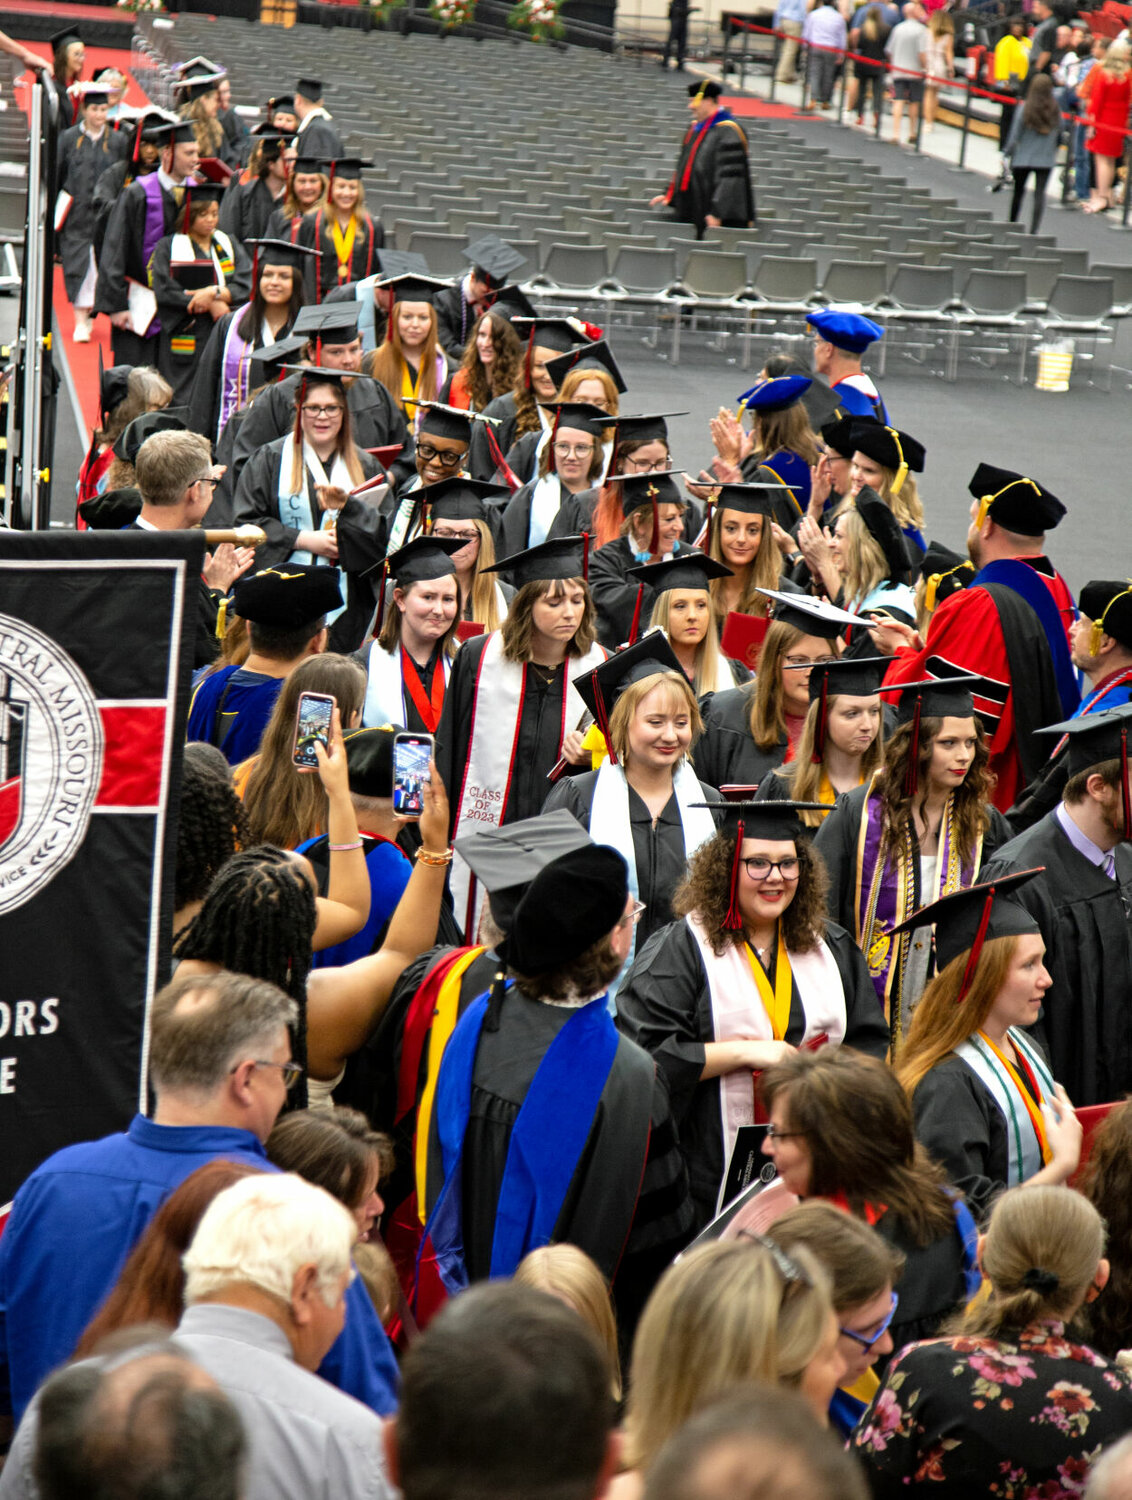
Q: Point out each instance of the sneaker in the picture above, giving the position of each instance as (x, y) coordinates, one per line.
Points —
(82, 331)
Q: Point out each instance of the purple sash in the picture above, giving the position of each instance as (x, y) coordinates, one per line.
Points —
(885, 895)
(154, 229)
(235, 370)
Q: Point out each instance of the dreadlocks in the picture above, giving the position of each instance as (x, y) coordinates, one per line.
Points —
(213, 823)
(259, 919)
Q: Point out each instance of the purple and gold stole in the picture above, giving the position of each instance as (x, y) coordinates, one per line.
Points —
(235, 371)
(885, 896)
(153, 230)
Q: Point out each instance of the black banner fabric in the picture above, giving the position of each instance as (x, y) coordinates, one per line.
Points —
(96, 635)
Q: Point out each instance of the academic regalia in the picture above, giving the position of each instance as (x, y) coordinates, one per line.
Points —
(143, 214)
(389, 869)
(82, 161)
(659, 854)
(237, 137)
(495, 262)
(417, 685)
(107, 190)
(664, 1003)
(246, 209)
(523, 456)
(317, 137)
(455, 319)
(283, 226)
(184, 335)
(205, 403)
(326, 273)
(230, 709)
(713, 174)
(481, 462)
(615, 595)
(725, 754)
(515, 522)
(788, 467)
(851, 332)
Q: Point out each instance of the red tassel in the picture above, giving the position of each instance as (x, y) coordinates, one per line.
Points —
(255, 270)
(976, 948)
(733, 922)
(634, 627)
(381, 599)
(911, 776)
(502, 468)
(819, 727)
(602, 718)
(528, 360)
(1125, 790)
(585, 557)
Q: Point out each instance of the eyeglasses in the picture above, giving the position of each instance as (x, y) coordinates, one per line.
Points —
(455, 536)
(631, 918)
(787, 1267)
(645, 466)
(321, 411)
(759, 868)
(208, 479)
(573, 450)
(773, 1133)
(291, 1071)
(801, 662)
(882, 1329)
(443, 457)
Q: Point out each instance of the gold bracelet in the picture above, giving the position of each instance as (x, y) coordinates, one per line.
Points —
(427, 857)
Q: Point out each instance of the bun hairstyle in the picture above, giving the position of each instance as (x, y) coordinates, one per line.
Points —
(1040, 1256)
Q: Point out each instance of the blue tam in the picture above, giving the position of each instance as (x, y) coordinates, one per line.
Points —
(776, 394)
(846, 330)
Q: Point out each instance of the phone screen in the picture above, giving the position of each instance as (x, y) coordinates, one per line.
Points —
(312, 723)
(411, 755)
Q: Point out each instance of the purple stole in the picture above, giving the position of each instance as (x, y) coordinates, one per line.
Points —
(885, 896)
(154, 229)
(235, 368)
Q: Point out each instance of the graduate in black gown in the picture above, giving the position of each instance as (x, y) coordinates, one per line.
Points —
(602, 1172)
(345, 235)
(86, 151)
(460, 307)
(653, 530)
(512, 711)
(985, 1102)
(316, 134)
(572, 460)
(752, 971)
(643, 800)
(1082, 903)
(252, 199)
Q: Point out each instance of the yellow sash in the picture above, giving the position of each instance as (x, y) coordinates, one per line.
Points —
(443, 1025)
(776, 1002)
(1032, 1109)
(343, 243)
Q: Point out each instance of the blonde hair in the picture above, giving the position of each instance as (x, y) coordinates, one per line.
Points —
(860, 1263)
(1050, 1229)
(484, 598)
(906, 506)
(719, 1317)
(292, 208)
(803, 777)
(941, 23)
(569, 1274)
(387, 363)
(680, 695)
(708, 656)
(359, 203)
(207, 130)
(863, 564)
(764, 571)
(344, 447)
(1118, 55)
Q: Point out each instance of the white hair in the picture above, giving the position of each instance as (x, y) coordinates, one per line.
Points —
(261, 1230)
(1110, 1478)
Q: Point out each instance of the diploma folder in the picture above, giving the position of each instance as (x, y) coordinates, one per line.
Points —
(194, 275)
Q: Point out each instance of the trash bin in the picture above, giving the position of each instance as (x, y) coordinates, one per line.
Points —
(1055, 365)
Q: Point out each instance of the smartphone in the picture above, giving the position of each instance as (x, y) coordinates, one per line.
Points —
(411, 755)
(312, 722)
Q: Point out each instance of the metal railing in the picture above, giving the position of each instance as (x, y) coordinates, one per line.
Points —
(33, 378)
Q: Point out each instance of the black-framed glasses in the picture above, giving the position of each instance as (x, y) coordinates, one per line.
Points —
(455, 536)
(208, 479)
(444, 457)
(867, 1342)
(633, 465)
(759, 869)
(786, 1266)
(291, 1071)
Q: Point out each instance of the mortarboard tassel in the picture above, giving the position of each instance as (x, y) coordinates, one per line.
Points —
(733, 922)
(380, 618)
(931, 589)
(636, 625)
(601, 716)
(902, 469)
(986, 501)
(1096, 635)
(222, 619)
(976, 948)
(502, 467)
(911, 775)
(495, 1002)
(585, 557)
(1125, 789)
(654, 539)
(819, 727)
(552, 463)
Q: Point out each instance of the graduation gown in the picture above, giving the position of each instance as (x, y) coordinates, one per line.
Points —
(664, 1004)
(1086, 1022)
(317, 137)
(230, 709)
(455, 319)
(658, 850)
(82, 161)
(577, 515)
(725, 754)
(323, 273)
(204, 400)
(713, 175)
(283, 226)
(122, 260)
(184, 335)
(107, 190)
(993, 632)
(360, 529)
(481, 462)
(237, 137)
(246, 209)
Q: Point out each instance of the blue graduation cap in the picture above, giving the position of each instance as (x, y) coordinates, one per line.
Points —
(845, 330)
(775, 394)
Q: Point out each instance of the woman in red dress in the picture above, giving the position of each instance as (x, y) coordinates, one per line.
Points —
(1109, 101)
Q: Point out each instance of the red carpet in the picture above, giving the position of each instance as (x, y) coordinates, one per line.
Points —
(82, 358)
(758, 109)
(24, 8)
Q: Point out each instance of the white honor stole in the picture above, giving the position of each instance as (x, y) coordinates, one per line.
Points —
(1024, 1152)
(182, 251)
(546, 502)
(400, 533)
(297, 510)
(385, 686)
(497, 709)
(737, 1011)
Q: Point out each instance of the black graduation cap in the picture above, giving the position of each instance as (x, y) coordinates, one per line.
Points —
(645, 427)
(595, 356)
(564, 557)
(169, 133)
(600, 689)
(847, 677)
(930, 698)
(271, 141)
(392, 263)
(112, 510)
(113, 386)
(309, 88)
(287, 596)
(570, 904)
(638, 490)
(281, 104)
(812, 616)
(134, 434)
(274, 358)
(965, 919)
(276, 252)
(1014, 501)
(423, 558)
(579, 416)
(461, 499)
(706, 88)
(944, 573)
(506, 860)
(687, 570)
(199, 66)
(494, 257)
(1095, 738)
(776, 822)
(751, 499)
(95, 92)
(199, 194)
(820, 402)
(63, 38)
(884, 529)
(308, 166)
(838, 435)
(559, 334)
(440, 420)
(318, 375)
(513, 305)
(195, 88)
(328, 322)
(413, 288)
(348, 168)
(887, 446)
(369, 759)
(1109, 606)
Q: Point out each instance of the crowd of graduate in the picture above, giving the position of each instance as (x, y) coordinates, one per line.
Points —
(762, 938)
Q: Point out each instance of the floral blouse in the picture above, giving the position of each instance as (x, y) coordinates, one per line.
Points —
(979, 1416)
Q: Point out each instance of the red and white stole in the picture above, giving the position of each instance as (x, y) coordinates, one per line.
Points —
(497, 712)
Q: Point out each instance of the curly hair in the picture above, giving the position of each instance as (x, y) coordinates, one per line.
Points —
(1107, 1183)
(971, 816)
(484, 384)
(259, 919)
(706, 893)
(213, 823)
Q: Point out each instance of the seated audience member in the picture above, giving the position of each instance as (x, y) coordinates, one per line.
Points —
(211, 826)
(862, 1268)
(841, 1129)
(1106, 1182)
(1009, 1396)
(986, 1106)
(754, 1444)
(724, 1315)
(751, 973)
(141, 1421)
(286, 610)
(506, 1394)
(568, 1274)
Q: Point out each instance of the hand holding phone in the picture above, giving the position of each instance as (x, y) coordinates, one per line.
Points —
(312, 727)
(411, 756)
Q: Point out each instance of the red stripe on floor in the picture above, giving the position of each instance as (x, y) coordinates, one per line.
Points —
(757, 109)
